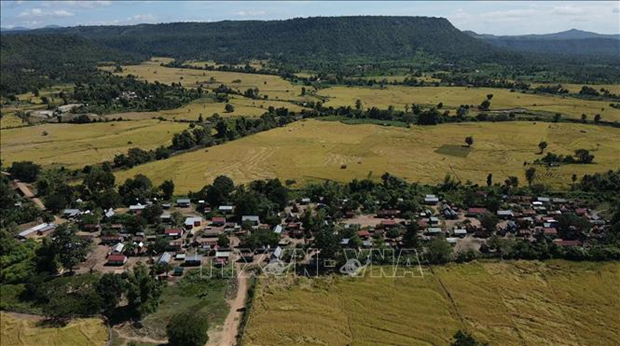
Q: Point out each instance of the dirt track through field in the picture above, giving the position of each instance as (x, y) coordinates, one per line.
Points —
(227, 336)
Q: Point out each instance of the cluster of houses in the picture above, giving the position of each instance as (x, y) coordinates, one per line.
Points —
(523, 216)
(195, 241)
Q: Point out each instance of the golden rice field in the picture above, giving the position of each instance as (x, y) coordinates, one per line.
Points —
(575, 88)
(10, 120)
(314, 150)
(452, 97)
(275, 87)
(25, 331)
(257, 64)
(503, 303)
(207, 107)
(74, 145)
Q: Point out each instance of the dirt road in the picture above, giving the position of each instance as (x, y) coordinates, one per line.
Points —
(227, 335)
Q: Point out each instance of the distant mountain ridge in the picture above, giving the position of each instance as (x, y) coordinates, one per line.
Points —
(568, 43)
(23, 28)
(563, 35)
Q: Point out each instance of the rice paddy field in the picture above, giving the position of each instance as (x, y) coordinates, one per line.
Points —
(74, 145)
(314, 150)
(503, 303)
(575, 88)
(452, 97)
(275, 87)
(28, 331)
(207, 107)
(9, 121)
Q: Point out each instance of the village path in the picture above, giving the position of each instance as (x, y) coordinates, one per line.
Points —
(228, 334)
(144, 339)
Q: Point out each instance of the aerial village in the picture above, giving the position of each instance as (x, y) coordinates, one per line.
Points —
(190, 233)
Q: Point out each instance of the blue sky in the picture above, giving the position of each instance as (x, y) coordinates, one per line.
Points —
(493, 17)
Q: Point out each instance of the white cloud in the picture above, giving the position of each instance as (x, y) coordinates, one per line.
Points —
(142, 18)
(77, 4)
(136, 19)
(250, 13)
(497, 15)
(568, 10)
(616, 10)
(39, 13)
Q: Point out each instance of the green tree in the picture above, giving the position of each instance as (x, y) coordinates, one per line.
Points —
(98, 180)
(143, 291)
(439, 250)
(167, 188)
(542, 145)
(25, 171)
(530, 175)
(410, 239)
(219, 192)
(229, 108)
(46, 259)
(490, 179)
(136, 189)
(469, 140)
(188, 329)
(489, 222)
(465, 339)
(151, 213)
(223, 241)
(597, 118)
(584, 156)
(485, 105)
(70, 248)
(111, 288)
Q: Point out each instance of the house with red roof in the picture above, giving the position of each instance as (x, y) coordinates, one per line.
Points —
(117, 260)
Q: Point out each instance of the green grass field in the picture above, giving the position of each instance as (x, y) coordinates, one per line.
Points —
(190, 294)
(506, 303)
(316, 150)
(453, 97)
(26, 331)
(75, 145)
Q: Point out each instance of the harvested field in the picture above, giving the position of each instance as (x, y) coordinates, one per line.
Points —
(25, 330)
(507, 303)
(317, 150)
(452, 97)
(274, 86)
(207, 107)
(74, 145)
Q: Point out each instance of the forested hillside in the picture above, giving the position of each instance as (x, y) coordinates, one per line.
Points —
(36, 61)
(324, 44)
(323, 38)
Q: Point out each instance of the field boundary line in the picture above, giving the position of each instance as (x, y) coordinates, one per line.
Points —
(449, 295)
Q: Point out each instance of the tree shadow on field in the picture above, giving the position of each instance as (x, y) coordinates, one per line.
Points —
(454, 150)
